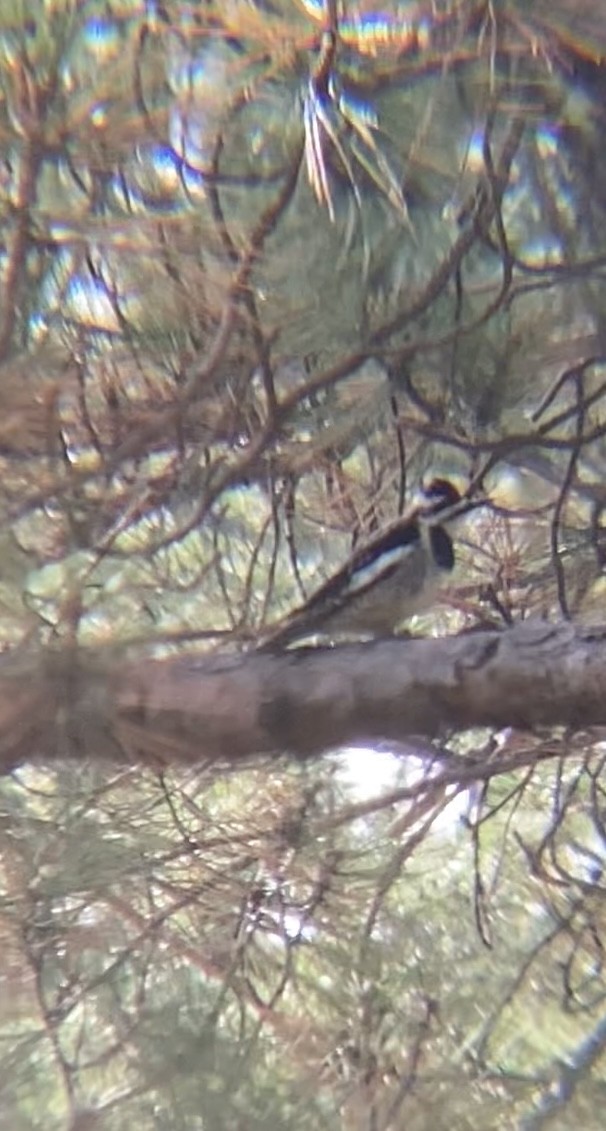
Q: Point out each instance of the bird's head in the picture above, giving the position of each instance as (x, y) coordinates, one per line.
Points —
(438, 499)
(437, 504)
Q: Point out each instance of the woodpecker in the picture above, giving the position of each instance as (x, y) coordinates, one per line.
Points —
(385, 582)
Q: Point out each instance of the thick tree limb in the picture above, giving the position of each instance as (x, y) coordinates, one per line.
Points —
(304, 702)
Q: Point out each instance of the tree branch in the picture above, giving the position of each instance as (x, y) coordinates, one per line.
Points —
(190, 709)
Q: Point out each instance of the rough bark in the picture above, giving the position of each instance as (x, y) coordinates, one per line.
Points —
(304, 702)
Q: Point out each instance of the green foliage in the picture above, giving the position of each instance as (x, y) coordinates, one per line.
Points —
(263, 267)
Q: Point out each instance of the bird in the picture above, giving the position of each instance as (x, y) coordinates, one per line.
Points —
(384, 582)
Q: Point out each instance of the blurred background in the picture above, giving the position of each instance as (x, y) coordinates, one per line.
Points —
(266, 266)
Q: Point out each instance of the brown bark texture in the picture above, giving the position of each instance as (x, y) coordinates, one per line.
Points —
(192, 709)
